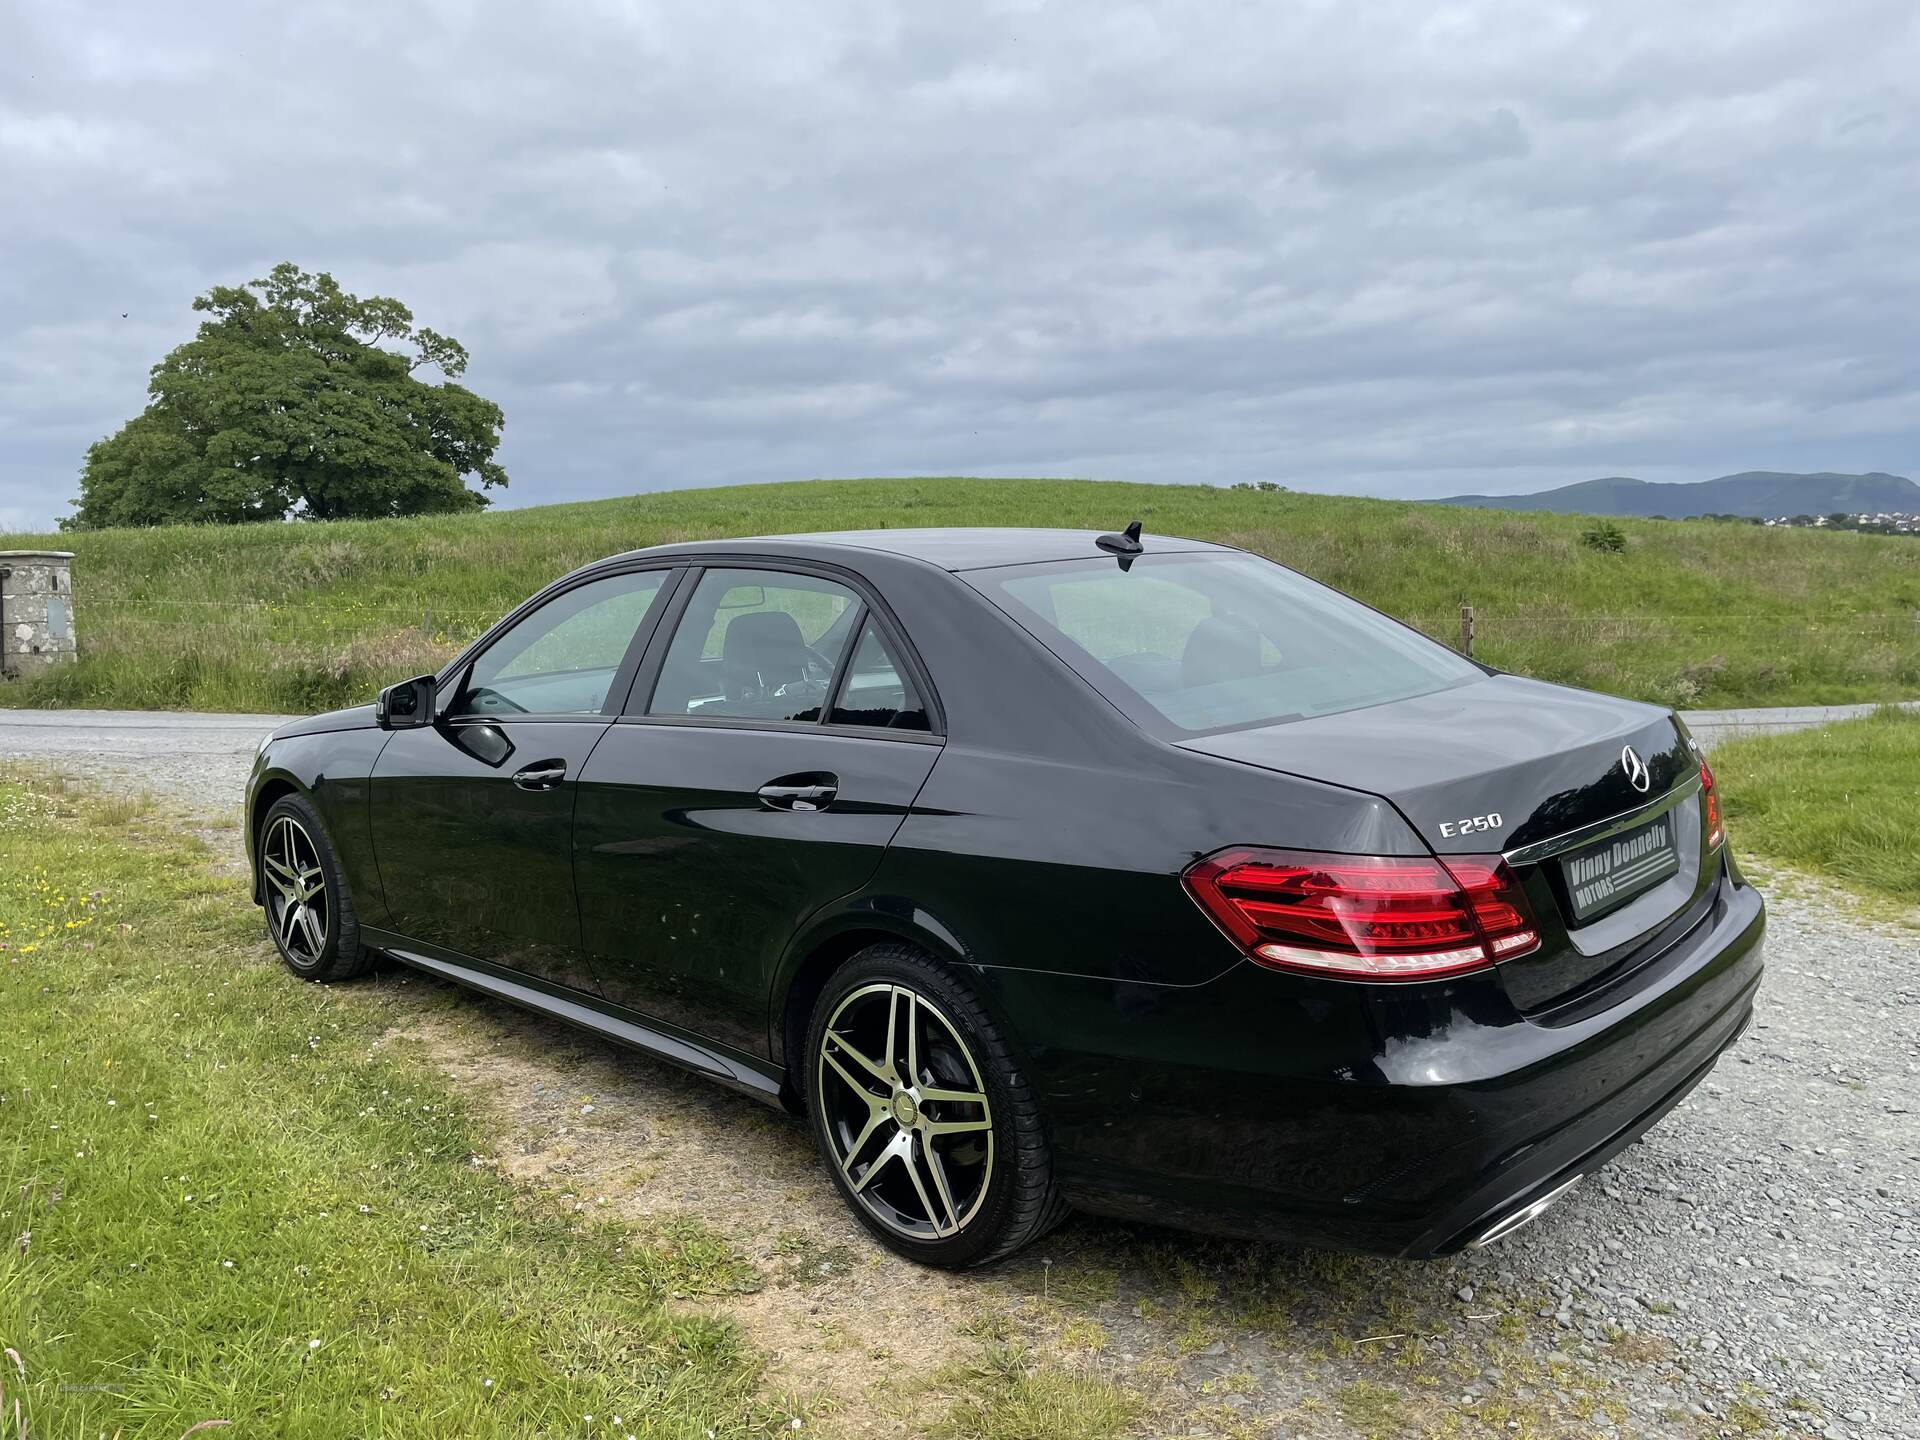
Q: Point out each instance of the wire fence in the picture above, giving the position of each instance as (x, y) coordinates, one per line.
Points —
(304, 655)
(149, 604)
(116, 624)
(113, 623)
(1470, 627)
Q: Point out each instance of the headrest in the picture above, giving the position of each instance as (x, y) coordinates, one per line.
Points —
(1219, 649)
(762, 640)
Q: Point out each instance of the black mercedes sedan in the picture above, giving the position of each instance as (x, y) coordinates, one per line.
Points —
(1044, 870)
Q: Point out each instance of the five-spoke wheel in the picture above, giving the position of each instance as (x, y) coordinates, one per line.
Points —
(926, 1123)
(309, 911)
(906, 1111)
(296, 889)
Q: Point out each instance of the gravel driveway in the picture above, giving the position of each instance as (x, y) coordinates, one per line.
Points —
(193, 759)
(1763, 1241)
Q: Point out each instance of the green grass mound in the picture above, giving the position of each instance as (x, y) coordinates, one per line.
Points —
(298, 617)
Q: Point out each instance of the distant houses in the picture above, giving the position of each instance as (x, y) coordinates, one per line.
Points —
(1880, 522)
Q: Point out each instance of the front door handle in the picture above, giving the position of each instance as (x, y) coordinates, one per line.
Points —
(545, 775)
(800, 792)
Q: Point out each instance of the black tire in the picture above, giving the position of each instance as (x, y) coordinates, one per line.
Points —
(338, 953)
(985, 1193)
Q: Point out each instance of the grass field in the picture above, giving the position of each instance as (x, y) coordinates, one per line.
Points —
(222, 1200)
(1842, 800)
(300, 617)
(228, 1196)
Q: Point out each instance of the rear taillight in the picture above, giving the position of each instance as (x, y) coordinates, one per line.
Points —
(1710, 798)
(1365, 917)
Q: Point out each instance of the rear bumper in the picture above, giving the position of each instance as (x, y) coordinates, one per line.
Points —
(1548, 1172)
(1401, 1120)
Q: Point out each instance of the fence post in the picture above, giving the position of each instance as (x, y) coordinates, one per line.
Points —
(1466, 630)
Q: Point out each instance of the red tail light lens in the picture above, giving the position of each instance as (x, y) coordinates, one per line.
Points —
(1710, 798)
(1366, 917)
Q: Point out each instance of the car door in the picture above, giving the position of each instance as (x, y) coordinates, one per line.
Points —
(780, 732)
(472, 817)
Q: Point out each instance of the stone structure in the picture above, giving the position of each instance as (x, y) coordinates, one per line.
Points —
(36, 611)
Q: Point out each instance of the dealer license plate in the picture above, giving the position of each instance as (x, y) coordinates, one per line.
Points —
(1613, 871)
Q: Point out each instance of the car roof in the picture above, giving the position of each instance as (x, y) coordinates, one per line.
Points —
(956, 548)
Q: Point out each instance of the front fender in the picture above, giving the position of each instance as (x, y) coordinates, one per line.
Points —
(266, 784)
(333, 771)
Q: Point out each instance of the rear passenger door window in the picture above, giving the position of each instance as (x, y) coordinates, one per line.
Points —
(757, 644)
(876, 689)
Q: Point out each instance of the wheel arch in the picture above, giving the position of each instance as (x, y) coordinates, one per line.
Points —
(830, 941)
(272, 787)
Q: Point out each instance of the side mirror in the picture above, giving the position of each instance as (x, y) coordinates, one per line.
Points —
(406, 706)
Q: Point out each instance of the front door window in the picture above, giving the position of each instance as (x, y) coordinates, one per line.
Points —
(561, 659)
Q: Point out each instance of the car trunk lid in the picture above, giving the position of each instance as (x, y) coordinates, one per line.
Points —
(1593, 800)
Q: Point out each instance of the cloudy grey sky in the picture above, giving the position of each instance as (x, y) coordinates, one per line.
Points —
(1383, 248)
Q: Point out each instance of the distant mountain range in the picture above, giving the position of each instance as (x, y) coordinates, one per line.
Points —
(1752, 492)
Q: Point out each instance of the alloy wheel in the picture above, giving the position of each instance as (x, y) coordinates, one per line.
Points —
(297, 890)
(905, 1112)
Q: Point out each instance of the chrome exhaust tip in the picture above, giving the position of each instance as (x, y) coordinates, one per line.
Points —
(1513, 1220)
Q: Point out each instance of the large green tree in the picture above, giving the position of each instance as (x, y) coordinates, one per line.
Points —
(289, 402)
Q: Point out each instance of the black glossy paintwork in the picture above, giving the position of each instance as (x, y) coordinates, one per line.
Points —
(471, 862)
(1548, 760)
(1276, 1105)
(1053, 862)
(1035, 843)
(752, 1074)
(330, 759)
(353, 717)
(1545, 756)
(691, 888)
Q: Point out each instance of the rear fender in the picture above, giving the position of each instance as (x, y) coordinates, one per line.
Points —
(832, 936)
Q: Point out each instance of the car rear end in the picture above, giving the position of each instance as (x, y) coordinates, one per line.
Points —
(1424, 1047)
(1593, 965)
(1647, 962)
(1417, 1115)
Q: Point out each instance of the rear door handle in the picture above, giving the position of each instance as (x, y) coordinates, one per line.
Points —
(544, 775)
(800, 792)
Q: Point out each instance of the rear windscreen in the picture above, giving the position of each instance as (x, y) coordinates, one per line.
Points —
(1191, 642)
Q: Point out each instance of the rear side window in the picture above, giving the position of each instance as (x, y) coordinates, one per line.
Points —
(757, 644)
(876, 690)
(1187, 643)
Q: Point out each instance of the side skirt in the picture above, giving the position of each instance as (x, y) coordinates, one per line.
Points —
(759, 1078)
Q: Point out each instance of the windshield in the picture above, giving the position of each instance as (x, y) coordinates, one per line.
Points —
(1186, 642)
